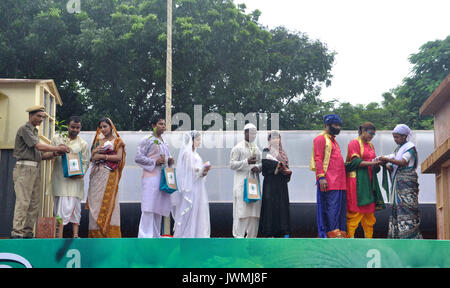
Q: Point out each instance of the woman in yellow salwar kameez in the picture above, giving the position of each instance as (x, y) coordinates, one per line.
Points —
(363, 192)
(108, 157)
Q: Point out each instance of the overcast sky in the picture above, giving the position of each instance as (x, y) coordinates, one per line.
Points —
(373, 39)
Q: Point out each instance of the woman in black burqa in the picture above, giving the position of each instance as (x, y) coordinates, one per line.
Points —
(275, 217)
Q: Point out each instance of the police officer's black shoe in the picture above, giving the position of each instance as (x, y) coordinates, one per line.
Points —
(15, 237)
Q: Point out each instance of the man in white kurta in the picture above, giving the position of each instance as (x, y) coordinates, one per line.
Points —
(151, 154)
(68, 192)
(246, 162)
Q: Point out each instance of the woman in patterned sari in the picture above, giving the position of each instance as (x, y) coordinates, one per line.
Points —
(103, 196)
(405, 220)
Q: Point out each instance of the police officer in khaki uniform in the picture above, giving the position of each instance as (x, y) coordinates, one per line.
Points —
(28, 152)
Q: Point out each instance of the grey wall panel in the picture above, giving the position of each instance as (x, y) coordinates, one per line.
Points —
(217, 145)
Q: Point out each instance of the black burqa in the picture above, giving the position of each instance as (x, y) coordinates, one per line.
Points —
(275, 217)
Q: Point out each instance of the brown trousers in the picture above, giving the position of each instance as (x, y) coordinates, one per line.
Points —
(27, 182)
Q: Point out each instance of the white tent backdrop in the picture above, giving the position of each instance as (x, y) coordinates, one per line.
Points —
(217, 145)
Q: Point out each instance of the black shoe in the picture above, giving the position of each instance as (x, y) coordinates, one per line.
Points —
(15, 237)
(27, 237)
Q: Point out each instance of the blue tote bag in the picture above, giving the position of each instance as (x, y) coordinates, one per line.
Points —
(252, 190)
(72, 165)
(168, 180)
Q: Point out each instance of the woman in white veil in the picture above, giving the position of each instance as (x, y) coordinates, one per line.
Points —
(190, 205)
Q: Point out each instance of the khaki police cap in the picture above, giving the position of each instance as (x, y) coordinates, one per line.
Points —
(36, 108)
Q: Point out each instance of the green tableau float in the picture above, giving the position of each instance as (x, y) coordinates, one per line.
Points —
(224, 253)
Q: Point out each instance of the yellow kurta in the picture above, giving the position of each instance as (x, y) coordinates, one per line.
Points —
(62, 186)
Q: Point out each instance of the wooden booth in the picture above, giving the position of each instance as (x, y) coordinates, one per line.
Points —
(16, 95)
(438, 163)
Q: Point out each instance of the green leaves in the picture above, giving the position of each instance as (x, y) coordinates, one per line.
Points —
(109, 59)
(61, 128)
(431, 66)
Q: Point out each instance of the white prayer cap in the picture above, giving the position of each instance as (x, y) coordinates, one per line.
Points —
(403, 130)
(249, 126)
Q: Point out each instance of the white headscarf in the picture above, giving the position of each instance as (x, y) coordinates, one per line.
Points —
(185, 162)
(403, 129)
(182, 199)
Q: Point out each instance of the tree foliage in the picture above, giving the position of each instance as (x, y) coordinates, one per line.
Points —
(430, 67)
(109, 60)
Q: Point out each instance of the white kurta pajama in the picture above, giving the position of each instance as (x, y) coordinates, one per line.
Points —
(155, 203)
(245, 215)
(68, 192)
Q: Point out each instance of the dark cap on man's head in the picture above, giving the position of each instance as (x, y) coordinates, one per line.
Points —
(331, 119)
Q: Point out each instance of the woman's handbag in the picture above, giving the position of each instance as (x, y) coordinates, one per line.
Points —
(252, 190)
(168, 180)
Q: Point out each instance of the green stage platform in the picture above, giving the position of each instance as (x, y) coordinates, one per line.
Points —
(224, 253)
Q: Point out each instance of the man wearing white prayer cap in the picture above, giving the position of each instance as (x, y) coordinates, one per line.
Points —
(246, 162)
(249, 126)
